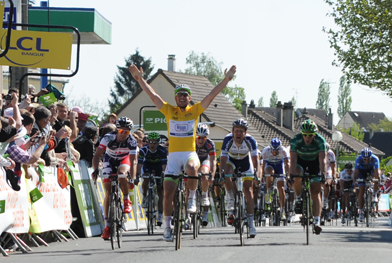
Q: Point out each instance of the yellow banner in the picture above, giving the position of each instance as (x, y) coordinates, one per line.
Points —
(37, 49)
(2, 6)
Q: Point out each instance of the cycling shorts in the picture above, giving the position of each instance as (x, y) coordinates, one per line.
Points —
(245, 166)
(206, 163)
(176, 163)
(111, 165)
(362, 175)
(313, 168)
(278, 168)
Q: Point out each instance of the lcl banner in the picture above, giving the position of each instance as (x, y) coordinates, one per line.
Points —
(37, 49)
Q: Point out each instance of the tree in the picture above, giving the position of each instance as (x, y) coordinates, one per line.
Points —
(273, 99)
(344, 97)
(355, 131)
(294, 102)
(362, 41)
(384, 125)
(124, 84)
(323, 96)
(205, 65)
(260, 102)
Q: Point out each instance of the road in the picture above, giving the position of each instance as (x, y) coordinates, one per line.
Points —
(275, 244)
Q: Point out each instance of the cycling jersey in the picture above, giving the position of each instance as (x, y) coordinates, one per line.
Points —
(308, 152)
(330, 159)
(344, 176)
(276, 162)
(118, 150)
(148, 158)
(364, 168)
(181, 126)
(231, 150)
(208, 149)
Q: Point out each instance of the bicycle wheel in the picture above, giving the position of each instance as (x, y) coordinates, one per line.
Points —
(176, 218)
(222, 209)
(277, 205)
(150, 212)
(119, 223)
(195, 216)
(241, 219)
(307, 215)
(367, 208)
(113, 219)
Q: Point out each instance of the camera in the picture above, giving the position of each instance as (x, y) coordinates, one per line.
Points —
(7, 97)
(37, 138)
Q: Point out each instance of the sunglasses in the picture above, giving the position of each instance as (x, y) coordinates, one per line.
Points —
(308, 134)
(183, 94)
(124, 131)
(200, 137)
(349, 170)
(366, 159)
(151, 142)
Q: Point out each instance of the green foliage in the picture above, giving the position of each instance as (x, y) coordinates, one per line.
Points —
(323, 96)
(260, 102)
(383, 164)
(384, 125)
(236, 95)
(124, 84)
(344, 97)
(204, 65)
(294, 102)
(273, 99)
(363, 41)
(355, 131)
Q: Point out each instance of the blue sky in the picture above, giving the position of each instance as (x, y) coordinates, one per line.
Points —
(276, 45)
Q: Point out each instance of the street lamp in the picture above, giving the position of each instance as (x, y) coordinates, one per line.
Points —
(337, 137)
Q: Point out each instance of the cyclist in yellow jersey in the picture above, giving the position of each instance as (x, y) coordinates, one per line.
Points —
(181, 126)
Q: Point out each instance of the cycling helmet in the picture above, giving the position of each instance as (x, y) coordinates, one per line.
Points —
(182, 87)
(348, 166)
(242, 123)
(309, 126)
(202, 130)
(328, 146)
(366, 152)
(275, 144)
(124, 122)
(154, 136)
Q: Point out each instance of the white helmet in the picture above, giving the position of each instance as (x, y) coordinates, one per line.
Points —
(202, 130)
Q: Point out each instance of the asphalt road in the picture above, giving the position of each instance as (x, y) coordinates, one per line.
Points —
(273, 244)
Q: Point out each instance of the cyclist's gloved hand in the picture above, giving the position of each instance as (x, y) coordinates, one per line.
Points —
(94, 175)
(136, 181)
(131, 184)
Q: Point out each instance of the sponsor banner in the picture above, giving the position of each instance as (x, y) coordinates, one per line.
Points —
(89, 211)
(6, 17)
(37, 49)
(383, 203)
(52, 211)
(154, 121)
(13, 207)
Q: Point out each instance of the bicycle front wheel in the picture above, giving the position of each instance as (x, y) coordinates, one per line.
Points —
(367, 208)
(119, 222)
(307, 215)
(241, 219)
(113, 219)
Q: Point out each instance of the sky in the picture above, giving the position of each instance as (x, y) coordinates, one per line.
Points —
(276, 45)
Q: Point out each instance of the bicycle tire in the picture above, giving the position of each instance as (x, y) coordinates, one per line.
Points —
(307, 216)
(195, 216)
(240, 219)
(277, 205)
(112, 216)
(118, 223)
(176, 218)
(367, 210)
(150, 212)
(222, 209)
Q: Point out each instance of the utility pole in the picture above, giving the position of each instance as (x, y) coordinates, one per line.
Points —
(17, 72)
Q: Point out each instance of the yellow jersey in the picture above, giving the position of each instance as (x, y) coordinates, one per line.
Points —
(181, 126)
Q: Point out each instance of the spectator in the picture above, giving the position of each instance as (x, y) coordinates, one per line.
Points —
(145, 140)
(61, 121)
(139, 140)
(82, 121)
(111, 119)
(84, 144)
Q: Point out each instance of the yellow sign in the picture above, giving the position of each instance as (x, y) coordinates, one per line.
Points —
(37, 49)
(2, 6)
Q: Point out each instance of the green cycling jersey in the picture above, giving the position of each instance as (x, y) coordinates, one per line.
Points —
(308, 152)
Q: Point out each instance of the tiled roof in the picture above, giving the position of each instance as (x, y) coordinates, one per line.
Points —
(366, 118)
(266, 125)
(380, 140)
(320, 113)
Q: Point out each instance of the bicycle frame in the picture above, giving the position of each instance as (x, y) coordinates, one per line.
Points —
(151, 211)
(116, 213)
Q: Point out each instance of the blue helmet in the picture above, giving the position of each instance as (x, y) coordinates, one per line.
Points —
(366, 152)
(241, 122)
(275, 144)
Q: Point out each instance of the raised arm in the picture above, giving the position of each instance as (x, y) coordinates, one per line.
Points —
(229, 75)
(138, 76)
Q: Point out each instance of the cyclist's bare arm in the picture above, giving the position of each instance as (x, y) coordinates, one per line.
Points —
(255, 161)
(323, 162)
(356, 172)
(139, 168)
(138, 76)
(163, 169)
(262, 169)
(229, 75)
(333, 169)
(213, 164)
(377, 173)
(287, 165)
(133, 168)
(98, 153)
(293, 159)
(223, 162)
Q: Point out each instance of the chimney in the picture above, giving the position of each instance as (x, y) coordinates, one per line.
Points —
(330, 119)
(252, 104)
(171, 63)
(244, 109)
(288, 115)
(279, 114)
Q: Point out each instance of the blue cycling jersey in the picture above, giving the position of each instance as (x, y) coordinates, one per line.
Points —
(374, 163)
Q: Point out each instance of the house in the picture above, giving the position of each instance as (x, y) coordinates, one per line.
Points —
(380, 140)
(284, 126)
(221, 112)
(364, 119)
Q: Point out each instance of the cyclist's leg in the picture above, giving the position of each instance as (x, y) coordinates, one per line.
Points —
(108, 190)
(297, 185)
(282, 193)
(106, 171)
(268, 171)
(204, 169)
(375, 175)
(191, 167)
(122, 173)
(326, 186)
(315, 189)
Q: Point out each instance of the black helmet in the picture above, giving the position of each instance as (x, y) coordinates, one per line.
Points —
(124, 122)
(348, 166)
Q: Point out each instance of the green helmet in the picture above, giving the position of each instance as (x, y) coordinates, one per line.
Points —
(309, 126)
(182, 87)
(154, 136)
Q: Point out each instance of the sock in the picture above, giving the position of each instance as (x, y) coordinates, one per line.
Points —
(250, 220)
(125, 197)
(282, 209)
(231, 194)
(168, 221)
(204, 194)
(107, 221)
(316, 218)
(192, 194)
